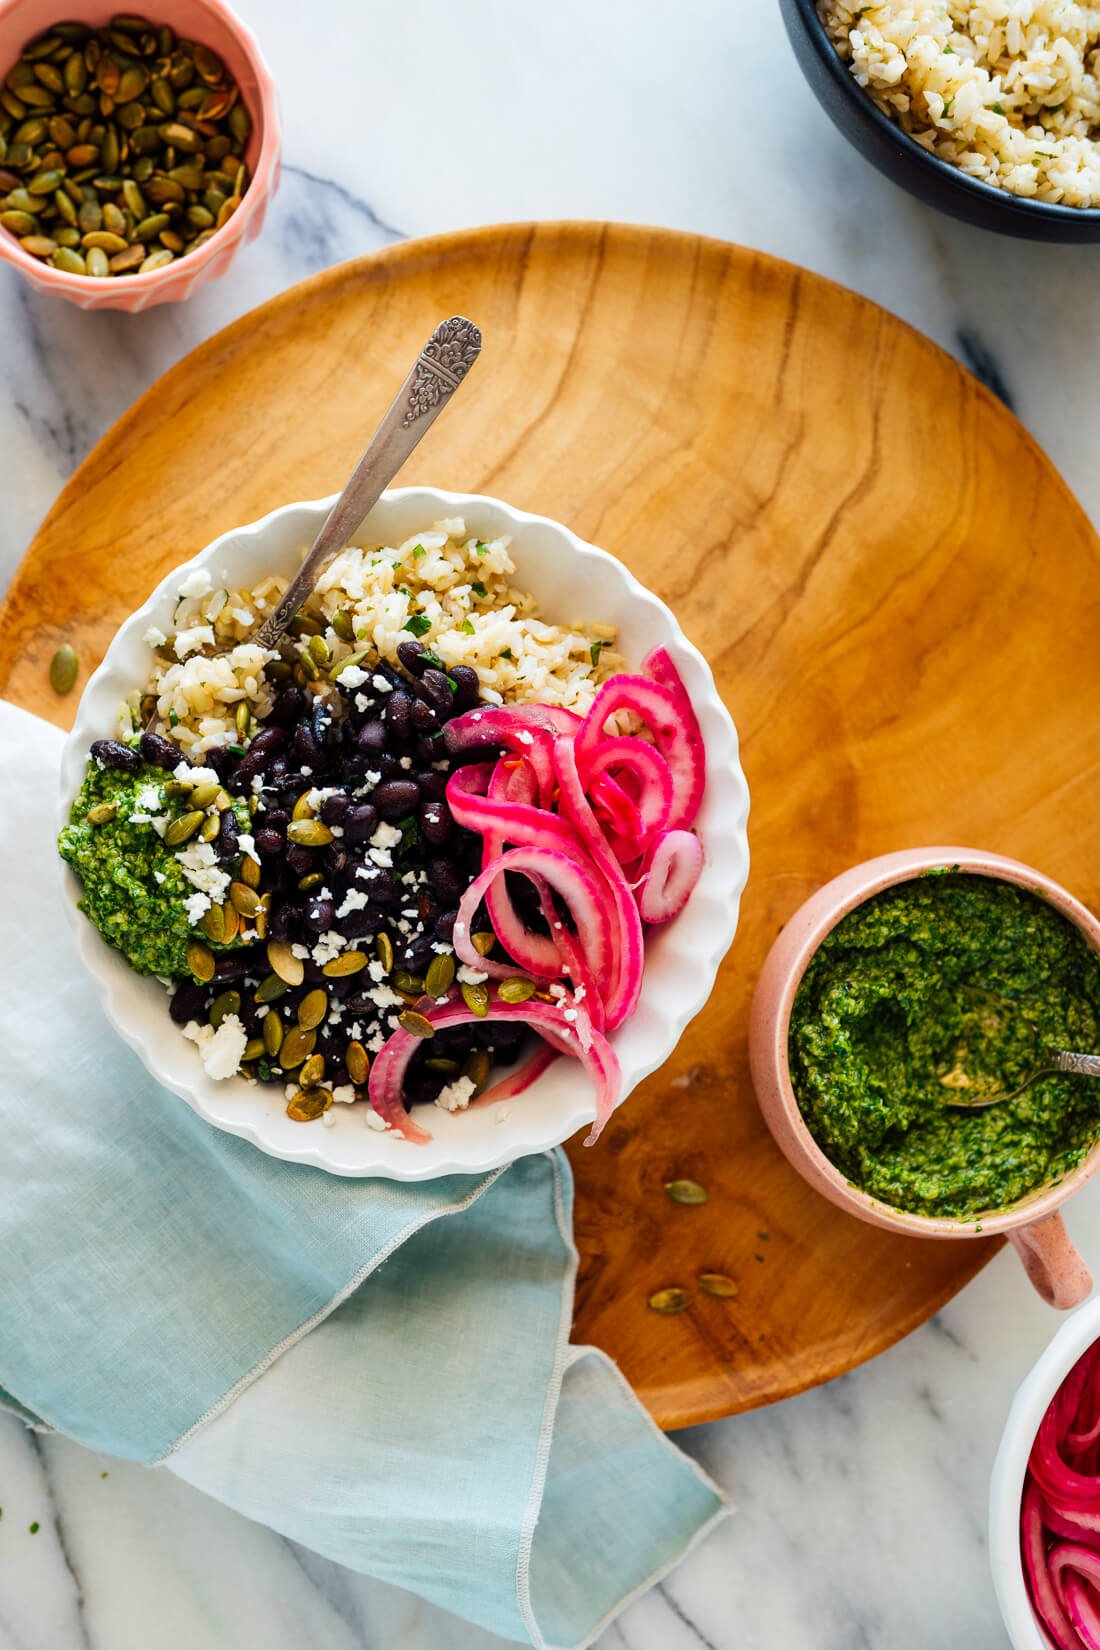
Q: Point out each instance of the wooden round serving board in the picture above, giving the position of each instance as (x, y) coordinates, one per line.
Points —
(898, 595)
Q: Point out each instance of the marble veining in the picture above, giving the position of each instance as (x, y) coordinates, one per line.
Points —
(861, 1506)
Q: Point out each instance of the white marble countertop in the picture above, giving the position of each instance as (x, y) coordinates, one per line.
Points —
(862, 1505)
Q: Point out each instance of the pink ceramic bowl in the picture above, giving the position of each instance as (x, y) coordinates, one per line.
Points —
(1032, 1226)
(211, 22)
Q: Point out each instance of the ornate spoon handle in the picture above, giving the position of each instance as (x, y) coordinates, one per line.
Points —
(436, 374)
(1086, 1065)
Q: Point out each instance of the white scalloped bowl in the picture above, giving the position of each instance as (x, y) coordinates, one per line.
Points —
(568, 578)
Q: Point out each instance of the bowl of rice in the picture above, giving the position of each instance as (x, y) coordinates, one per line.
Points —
(544, 619)
(989, 111)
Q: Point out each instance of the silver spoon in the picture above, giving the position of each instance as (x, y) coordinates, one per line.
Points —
(1085, 1065)
(436, 374)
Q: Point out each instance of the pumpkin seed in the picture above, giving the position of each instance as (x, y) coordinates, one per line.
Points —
(135, 200)
(515, 990)
(212, 923)
(448, 1070)
(348, 662)
(250, 871)
(308, 664)
(685, 1191)
(114, 220)
(68, 261)
(384, 947)
(64, 205)
(342, 624)
(476, 998)
(243, 716)
(96, 263)
(415, 1024)
(19, 223)
(232, 922)
(311, 880)
(150, 227)
(297, 1046)
(224, 1004)
(101, 813)
(253, 1050)
(317, 644)
(669, 1301)
(309, 1104)
(270, 990)
(156, 260)
(357, 1061)
(309, 833)
(411, 985)
(303, 807)
(39, 246)
(348, 962)
(209, 828)
(483, 943)
(440, 976)
(105, 241)
(67, 237)
(200, 960)
(63, 669)
(717, 1283)
(312, 1072)
(285, 964)
(273, 1032)
(244, 899)
(312, 1009)
(204, 794)
(479, 1064)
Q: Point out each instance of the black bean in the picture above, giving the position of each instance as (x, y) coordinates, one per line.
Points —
(306, 748)
(468, 688)
(446, 880)
(300, 860)
(333, 809)
(413, 657)
(112, 753)
(268, 741)
(436, 824)
(417, 953)
(270, 842)
(384, 764)
(159, 751)
(277, 817)
(278, 769)
(248, 768)
(287, 707)
(323, 724)
(359, 925)
(433, 785)
(220, 760)
(231, 965)
(318, 913)
(188, 1003)
(395, 798)
(225, 843)
(335, 857)
(445, 925)
(423, 717)
(389, 674)
(435, 688)
(360, 823)
(372, 737)
(379, 888)
(398, 713)
(278, 925)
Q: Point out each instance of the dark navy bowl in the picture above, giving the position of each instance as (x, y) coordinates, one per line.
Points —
(855, 113)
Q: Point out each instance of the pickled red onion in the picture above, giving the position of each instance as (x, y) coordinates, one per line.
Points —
(671, 872)
(1060, 1513)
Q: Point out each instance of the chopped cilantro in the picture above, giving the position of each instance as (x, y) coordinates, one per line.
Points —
(506, 653)
(263, 1071)
(35, 1527)
(468, 628)
(482, 549)
(173, 719)
(235, 750)
(949, 50)
(997, 109)
(396, 565)
(418, 623)
(594, 652)
(453, 685)
(433, 658)
(418, 551)
(409, 834)
(479, 589)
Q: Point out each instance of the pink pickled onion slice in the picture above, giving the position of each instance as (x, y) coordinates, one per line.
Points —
(494, 725)
(1044, 1595)
(554, 717)
(387, 1074)
(1077, 1523)
(524, 826)
(671, 873)
(574, 964)
(619, 811)
(670, 720)
(520, 1080)
(639, 769)
(540, 954)
(621, 994)
(1081, 1602)
(1057, 1480)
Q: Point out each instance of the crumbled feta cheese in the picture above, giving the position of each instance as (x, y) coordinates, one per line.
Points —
(381, 685)
(154, 637)
(354, 900)
(159, 876)
(352, 676)
(300, 951)
(242, 615)
(526, 738)
(386, 836)
(221, 1051)
(191, 640)
(502, 1114)
(376, 970)
(196, 906)
(195, 776)
(328, 946)
(376, 1041)
(405, 762)
(569, 1014)
(196, 583)
(470, 976)
(383, 997)
(362, 703)
(441, 948)
(457, 1095)
(199, 864)
(247, 845)
(327, 1120)
(344, 1094)
(373, 1119)
(380, 856)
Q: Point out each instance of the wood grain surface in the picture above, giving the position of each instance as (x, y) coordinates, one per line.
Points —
(898, 596)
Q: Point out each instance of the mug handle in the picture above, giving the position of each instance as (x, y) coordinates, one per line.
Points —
(1051, 1262)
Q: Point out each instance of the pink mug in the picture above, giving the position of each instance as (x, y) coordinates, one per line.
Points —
(1033, 1226)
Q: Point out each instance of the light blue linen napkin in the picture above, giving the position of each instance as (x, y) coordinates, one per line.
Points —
(169, 1294)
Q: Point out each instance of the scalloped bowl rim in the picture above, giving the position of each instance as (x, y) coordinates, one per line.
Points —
(682, 959)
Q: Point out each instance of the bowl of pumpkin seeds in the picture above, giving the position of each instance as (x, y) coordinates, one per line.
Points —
(137, 154)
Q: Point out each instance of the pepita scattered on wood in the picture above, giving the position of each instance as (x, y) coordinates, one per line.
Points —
(63, 669)
(669, 1301)
(717, 1283)
(127, 116)
(685, 1191)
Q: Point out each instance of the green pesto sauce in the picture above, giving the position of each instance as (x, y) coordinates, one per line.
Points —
(119, 864)
(938, 987)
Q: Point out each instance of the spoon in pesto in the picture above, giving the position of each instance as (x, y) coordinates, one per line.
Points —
(1084, 1065)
